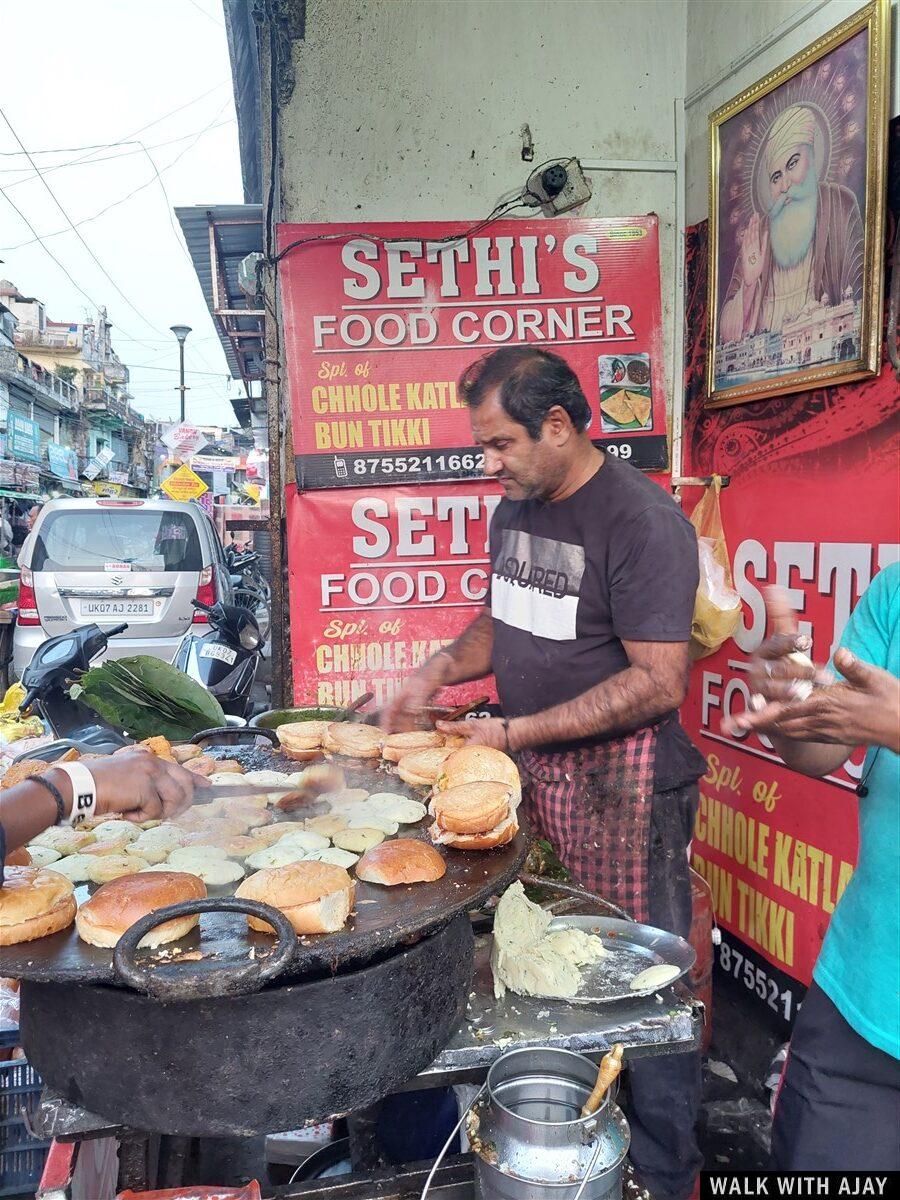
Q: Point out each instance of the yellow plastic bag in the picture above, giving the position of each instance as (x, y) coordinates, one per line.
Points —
(717, 609)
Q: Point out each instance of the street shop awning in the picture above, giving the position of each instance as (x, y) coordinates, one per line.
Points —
(218, 238)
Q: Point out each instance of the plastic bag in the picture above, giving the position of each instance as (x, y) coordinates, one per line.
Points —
(717, 608)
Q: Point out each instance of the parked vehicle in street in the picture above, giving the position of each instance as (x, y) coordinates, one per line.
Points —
(47, 678)
(225, 657)
(111, 560)
(251, 588)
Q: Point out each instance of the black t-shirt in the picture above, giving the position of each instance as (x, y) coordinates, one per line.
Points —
(616, 560)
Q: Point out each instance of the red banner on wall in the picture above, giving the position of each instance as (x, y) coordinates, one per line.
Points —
(379, 581)
(812, 506)
(381, 319)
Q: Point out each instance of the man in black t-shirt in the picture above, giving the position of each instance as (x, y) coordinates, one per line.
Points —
(586, 629)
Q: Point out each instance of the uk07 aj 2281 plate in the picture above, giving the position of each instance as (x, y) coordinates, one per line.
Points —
(632, 948)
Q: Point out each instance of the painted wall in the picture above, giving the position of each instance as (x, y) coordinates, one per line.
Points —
(404, 110)
(722, 34)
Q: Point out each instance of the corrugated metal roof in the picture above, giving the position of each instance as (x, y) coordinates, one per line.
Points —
(238, 231)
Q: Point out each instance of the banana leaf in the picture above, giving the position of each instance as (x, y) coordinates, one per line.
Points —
(147, 697)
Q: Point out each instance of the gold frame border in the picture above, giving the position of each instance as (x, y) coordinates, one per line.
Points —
(875, 17)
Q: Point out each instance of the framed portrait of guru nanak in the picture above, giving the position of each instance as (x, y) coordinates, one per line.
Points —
(796, 203)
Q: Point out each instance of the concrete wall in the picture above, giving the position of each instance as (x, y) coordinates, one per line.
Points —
(721, 33)
(405, 109)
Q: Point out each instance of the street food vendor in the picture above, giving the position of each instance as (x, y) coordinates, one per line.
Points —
(839, 1101)
(586, 629)
(134, 783)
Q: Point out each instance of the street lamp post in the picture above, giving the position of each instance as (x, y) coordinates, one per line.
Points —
(181, 332)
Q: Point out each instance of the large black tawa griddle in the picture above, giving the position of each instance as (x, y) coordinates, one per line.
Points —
(383, 918)
(243, 1065)
(343, 1020)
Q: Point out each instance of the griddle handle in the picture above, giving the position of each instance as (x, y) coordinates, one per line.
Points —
(573, 890)
(236, 733)
(218, 982)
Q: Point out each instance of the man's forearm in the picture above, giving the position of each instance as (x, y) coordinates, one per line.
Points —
(27, 808)
(469, 657)
(621, 704)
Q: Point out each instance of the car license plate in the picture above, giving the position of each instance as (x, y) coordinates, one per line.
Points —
(222, 653)
(117, 608)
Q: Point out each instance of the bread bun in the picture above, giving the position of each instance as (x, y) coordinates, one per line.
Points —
(113, 866)
(404, 860)
(116, 906)
(353, 741)
(500, 835)
(472, 807)
(34, 902)
(268, 835)
(398, 744)
(302, 740)
(316, 897)
(422, 767)
(478, 764)
(21, 857)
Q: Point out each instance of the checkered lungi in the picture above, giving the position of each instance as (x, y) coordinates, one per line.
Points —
(593, 805)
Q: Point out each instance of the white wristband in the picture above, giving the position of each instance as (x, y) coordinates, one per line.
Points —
(84, 791)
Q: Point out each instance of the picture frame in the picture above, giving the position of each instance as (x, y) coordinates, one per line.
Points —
(797, 184)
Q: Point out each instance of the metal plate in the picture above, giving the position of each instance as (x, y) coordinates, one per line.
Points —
(632, 948)
(383, 918)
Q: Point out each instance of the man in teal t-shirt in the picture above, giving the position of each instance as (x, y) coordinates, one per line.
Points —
(839, 1104)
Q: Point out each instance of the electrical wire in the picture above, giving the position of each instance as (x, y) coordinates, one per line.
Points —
(125, 199)
(90, 162)
(449, 239)
(126, 137)
(47, 250)
(73, 227)
(209, 16)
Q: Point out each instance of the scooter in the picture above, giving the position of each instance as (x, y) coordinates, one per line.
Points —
(46, 679)
(224, 659)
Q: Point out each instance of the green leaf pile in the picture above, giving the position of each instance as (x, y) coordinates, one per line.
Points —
(147, 697)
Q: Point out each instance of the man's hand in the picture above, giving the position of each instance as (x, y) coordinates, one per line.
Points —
(141, 786)
(753, 251)
(484, 731)
(777, 669)
(405, 707)
(861, 710)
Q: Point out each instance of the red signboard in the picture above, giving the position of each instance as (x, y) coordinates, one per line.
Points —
(812, 506)
(380, 580)
(381, 319)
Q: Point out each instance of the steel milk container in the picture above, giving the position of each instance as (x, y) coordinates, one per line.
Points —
(528, 1135)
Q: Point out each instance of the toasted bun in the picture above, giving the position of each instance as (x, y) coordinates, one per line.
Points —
(354, 741)
(204, 765)
(404, 860)
(422, 767)
(116, 906)
(34, 902)
(268, 835)
(20, 771)
(398, 744)
(183, 754)
(472, 807)
(478, 764)
(18, 858)
(499, 836)
(316, 897)
(301, 736)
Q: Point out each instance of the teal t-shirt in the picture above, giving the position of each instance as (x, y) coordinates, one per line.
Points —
(859, 966)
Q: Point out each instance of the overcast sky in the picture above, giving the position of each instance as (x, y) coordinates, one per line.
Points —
(101, 72)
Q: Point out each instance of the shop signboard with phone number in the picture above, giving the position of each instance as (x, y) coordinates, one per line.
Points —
(381, 320)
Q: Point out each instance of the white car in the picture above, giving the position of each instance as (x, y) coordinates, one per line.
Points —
(109, 561)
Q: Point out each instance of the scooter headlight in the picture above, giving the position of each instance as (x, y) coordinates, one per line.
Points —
(250, 638)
